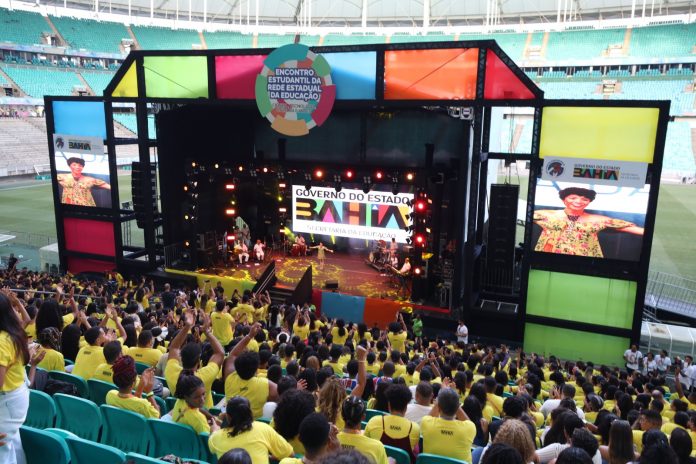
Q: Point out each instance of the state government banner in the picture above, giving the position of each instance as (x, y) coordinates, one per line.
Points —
(594, 171)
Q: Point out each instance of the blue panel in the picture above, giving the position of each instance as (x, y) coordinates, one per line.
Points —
(79, 118)
(353, 74)
(346, 307)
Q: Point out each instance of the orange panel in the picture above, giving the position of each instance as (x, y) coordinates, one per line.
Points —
(447, 74)
(380, 312)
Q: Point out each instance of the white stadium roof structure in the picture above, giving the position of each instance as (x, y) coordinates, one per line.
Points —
(438, 15)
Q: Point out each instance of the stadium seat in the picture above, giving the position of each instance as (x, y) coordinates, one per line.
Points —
(170, 401)
(370, 413)
(426, 458)
(42, 447)
(79, 382)
(265, 420)
(90, 452)
(141, 367)
(98, 390)
(173, 438)
(206, 454)
(136, 458)
(42, 410)
(60, 432)
(399, 455)
(80, 416)
(126, 430)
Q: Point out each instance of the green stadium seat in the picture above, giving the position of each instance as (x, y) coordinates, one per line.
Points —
(172, 438)
(38, 82)
(141, 367)
(22, 27)
(171, 401)
(206, 454)
(223, 40)
(79, 416)
(79, 382)
(426, 458)
(102, 36)
(90, 452)
(265, 420)
(60, 432)
(136, 458)
(163, 380)
(399, 455)
(42, 410)
(126, 430)
(162, 38)
(42, 447)
(98, 390)
(370, 413)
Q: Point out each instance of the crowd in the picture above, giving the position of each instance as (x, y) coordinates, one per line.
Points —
(301, 388)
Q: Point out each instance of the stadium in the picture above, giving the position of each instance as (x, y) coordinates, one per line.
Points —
(415, 218)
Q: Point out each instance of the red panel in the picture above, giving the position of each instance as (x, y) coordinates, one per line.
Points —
(446, 74)
(502, 83)
(235, 76)
(316, 300)
(89, 236)
(77, 265)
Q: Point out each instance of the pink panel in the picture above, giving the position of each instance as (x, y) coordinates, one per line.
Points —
(236, 75)
(77, 265)
(501, 83)
(89, 236)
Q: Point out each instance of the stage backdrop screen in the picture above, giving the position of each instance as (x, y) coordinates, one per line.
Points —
(351, 213)
(597, 221)
(82, 171)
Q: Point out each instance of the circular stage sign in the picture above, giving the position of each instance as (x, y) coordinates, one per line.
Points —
(294, 90)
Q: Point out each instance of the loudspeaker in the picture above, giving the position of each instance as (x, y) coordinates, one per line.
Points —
(331, 285)
(501, 231)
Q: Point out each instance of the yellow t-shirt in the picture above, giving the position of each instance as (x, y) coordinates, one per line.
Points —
(255, 389)
(398, 341)
(496, 402)
(11, 359)
(149, 356)
(337, 339)
(68, 319)
(243, 308)
(669, 427)
(105, 373)
(52, 361)
(450, 438)
(372, 368)
(259, 441)
(222, 328)
(300, 331)
(139, 405)
(396, 427)
(337, 367)
(88, 358)
(30, 330)
(207, 374)
(638, 440)
(371, 448)
(411, 379)
(292, 461)
(183, 414)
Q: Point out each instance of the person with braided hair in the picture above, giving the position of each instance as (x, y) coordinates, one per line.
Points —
(190, 394)
(352, 437)
(49, 339)
(124, 378)
(243, 431)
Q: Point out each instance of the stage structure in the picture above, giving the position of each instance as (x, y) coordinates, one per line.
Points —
(410, 125)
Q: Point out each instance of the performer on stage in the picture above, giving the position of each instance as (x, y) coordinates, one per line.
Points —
(242, 252)
(406, 268)
(321, 256)
(394, 260)
(258, 250)
(301, 244)
(393, 247)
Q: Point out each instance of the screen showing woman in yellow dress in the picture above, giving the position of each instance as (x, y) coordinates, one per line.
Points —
(597, 222)
(77, 188)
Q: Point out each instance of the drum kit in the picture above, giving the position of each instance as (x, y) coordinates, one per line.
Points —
(379, 254)
(298, 249)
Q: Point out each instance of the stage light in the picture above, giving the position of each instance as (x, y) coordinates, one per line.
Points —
(187, 244)
(240, 168)
(185, 188)
(427, 229)
(419, 240)
(230, 238)
(195, 183)
(186, 217)
(282, 210)
(349, 174)
(417, 271)
(379, 175)
(230, 186)
(265, 169)
(280, 198)
(217, 166)
(193, 164)
(410, 176)
(420, 206)
(232, 202)
(230, 211)
(282, 185)
(319, 174)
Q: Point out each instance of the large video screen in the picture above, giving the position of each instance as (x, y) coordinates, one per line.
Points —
(82, 171)
(351, 213)
(596, 221)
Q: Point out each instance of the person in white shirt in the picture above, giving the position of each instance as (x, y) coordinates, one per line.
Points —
(578, 437)
(649, 364)
(567, 391)
(632, 357)
(258, 250)
(462, 333)
(423, 404)
(663, 362)
(406, 268)
(243, 252)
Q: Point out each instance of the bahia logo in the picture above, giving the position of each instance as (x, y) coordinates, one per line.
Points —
(555, 168)
(59, 142)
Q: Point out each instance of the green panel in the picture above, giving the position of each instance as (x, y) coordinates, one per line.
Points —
(580, 298)
(285, 53)
(262, 99)
(321, 66)
(176, 76)
(574, 345)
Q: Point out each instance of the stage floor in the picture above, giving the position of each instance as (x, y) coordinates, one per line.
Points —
(354, 275)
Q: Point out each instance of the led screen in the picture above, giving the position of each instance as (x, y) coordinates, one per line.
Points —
(82, 171)
(596, 221)
(351, 213)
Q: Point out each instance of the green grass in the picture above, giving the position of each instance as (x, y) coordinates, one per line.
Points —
(28, 207)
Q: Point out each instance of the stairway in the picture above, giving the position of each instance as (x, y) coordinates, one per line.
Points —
(12, 83)
(693, 141)
(280, 293)
(84, 82)
(203, 42)
(61, 40)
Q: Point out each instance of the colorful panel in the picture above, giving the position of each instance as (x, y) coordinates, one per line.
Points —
(77, 265)
(346, 307)
(128, 85)
(353, 74)
(235, 76)
(79, 118)
(380, 312)
(608, 302)
(621, 134)
(501, 82)
(89, 236)
(574, 344)
(447, 74)
(176, 76)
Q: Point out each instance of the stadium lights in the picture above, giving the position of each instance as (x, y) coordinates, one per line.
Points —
(185, 188)
(265, 169)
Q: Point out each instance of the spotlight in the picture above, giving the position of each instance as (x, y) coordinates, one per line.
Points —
(230, 186)
(379, 175)
(193, 164)
(410, 176)
(240, 168)
(282, 210)
(420, 206)
(265, 170)
(417, 271)
(187, 244)
(282, 185)
(186, 217)
(217, 165)
(349, 174)
(419, 240)
(230, 211)
(185, 188)
(319, 174)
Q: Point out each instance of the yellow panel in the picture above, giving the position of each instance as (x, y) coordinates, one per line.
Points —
(128, 87)
(621, 134)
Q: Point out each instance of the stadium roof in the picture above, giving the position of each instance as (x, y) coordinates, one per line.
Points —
(394, 13)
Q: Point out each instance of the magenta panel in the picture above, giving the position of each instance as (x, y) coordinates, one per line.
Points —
(235, 75)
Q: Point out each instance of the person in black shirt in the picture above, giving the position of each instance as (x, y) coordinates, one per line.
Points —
(168, 297)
